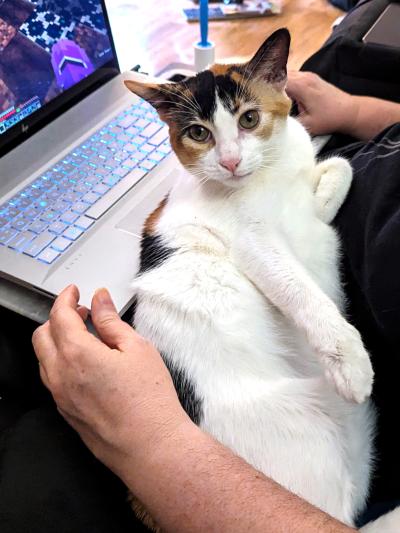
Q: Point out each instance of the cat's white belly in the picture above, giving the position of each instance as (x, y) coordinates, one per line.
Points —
(261, 388)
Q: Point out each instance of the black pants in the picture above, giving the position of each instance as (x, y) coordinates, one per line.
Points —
(49, 481)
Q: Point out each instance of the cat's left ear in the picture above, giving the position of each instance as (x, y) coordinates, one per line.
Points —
(270, 60)
(156, 94)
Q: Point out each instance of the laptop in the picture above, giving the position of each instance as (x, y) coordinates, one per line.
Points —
(82, 160)
(386, 30)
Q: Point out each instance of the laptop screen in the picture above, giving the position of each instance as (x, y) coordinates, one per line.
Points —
(51, 53)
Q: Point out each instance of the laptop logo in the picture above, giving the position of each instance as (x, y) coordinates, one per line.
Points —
(24, 128)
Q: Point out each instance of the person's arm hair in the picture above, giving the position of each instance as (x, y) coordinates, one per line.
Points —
(117, 393)
(372, 115)
(192, 483)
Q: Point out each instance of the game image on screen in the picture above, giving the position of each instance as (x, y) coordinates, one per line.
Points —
(46, 47)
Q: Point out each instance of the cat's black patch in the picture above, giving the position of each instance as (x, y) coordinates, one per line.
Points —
(227, 90)
(153, 252)
(190, 402)
(203, 88)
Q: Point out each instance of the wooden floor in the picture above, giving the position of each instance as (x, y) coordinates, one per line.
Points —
(155, 32)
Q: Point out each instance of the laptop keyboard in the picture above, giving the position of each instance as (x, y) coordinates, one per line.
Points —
(45, 218)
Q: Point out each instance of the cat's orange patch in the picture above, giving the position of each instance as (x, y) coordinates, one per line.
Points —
(220, 70)
(273, 102)
(150, 224)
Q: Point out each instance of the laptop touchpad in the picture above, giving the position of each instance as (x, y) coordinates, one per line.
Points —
(148, 195)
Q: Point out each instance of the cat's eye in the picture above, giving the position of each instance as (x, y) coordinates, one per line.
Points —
(249, 119)
(199, 133)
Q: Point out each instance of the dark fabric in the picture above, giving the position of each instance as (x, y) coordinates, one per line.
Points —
(49, 481)
(344, 4)
(369, 226)
(354, 66)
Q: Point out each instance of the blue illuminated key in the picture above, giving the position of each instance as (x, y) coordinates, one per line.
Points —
(20, 223)
(100, 188)
(58, 227)
(84, 222)
(7, 234)
(68, 217)
(60, 244)
(20, 241)
(48, 255)
(72, 233)
(39, 243)
(38, 226)
(90, 198)
(147, 165)
(80, 207)
(111, 180)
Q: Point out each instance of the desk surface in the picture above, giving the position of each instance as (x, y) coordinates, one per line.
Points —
(155, 33)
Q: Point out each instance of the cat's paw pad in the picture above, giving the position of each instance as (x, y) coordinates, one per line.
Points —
(349, 367)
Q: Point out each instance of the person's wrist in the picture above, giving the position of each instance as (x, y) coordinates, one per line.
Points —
(139, 446)
(350, 114)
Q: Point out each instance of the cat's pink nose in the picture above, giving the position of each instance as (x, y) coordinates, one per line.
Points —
(230, 164)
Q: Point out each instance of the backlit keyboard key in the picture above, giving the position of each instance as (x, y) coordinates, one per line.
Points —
(20, 223)
(151, 130)
(61, 244)
(39, 243)
(58, 227)
(147, 148)
(100, 188)
(79, 207)
(20, 241)
(84, 222)
(6, 235)
(69, 217)
(159, 137)
(157, 156)
(142, 123)
(90, 198)
(48, 255)
(37, 226)
(148, 165)
(121, 171)
(48, 216)
(111, 180)
(72, 233)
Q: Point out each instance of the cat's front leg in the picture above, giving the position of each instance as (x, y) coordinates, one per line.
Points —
(275, 271)
(331, 182)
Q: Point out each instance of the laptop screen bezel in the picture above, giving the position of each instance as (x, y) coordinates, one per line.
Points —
(21, 131)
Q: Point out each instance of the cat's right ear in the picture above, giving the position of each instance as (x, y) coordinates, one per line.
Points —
(156, 94)
(270, 61)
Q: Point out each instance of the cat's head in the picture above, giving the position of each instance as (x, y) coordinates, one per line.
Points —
(222, 120)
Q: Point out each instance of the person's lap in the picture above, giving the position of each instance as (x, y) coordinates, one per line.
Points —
(49, 481)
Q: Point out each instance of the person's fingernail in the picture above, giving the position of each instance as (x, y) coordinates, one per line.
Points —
(103, 297)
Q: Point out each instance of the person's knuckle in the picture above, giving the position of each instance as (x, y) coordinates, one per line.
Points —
(37, 334)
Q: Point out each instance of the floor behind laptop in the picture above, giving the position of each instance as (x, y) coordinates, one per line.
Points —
(156, 33)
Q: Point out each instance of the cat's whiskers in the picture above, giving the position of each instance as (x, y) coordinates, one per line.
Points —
(191, 104)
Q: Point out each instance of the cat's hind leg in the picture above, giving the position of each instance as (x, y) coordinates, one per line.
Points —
(331, 180)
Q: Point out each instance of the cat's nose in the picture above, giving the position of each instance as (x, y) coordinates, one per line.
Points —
(230, 164)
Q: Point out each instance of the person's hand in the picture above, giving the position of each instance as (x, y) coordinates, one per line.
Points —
(323, 107)
(115, 392)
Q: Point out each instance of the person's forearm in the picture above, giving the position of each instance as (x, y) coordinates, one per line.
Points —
(371, 116)
(191, 483)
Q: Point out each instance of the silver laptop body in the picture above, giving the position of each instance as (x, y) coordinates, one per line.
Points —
(107, 254)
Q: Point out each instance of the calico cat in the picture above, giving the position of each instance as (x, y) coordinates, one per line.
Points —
(239, 284)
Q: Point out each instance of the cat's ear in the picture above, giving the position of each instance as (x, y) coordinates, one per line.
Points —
(270, 60)
(157, 94)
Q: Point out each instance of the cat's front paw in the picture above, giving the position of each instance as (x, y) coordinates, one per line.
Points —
(349, 366)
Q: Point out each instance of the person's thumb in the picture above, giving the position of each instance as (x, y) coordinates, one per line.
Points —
(111, 329)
